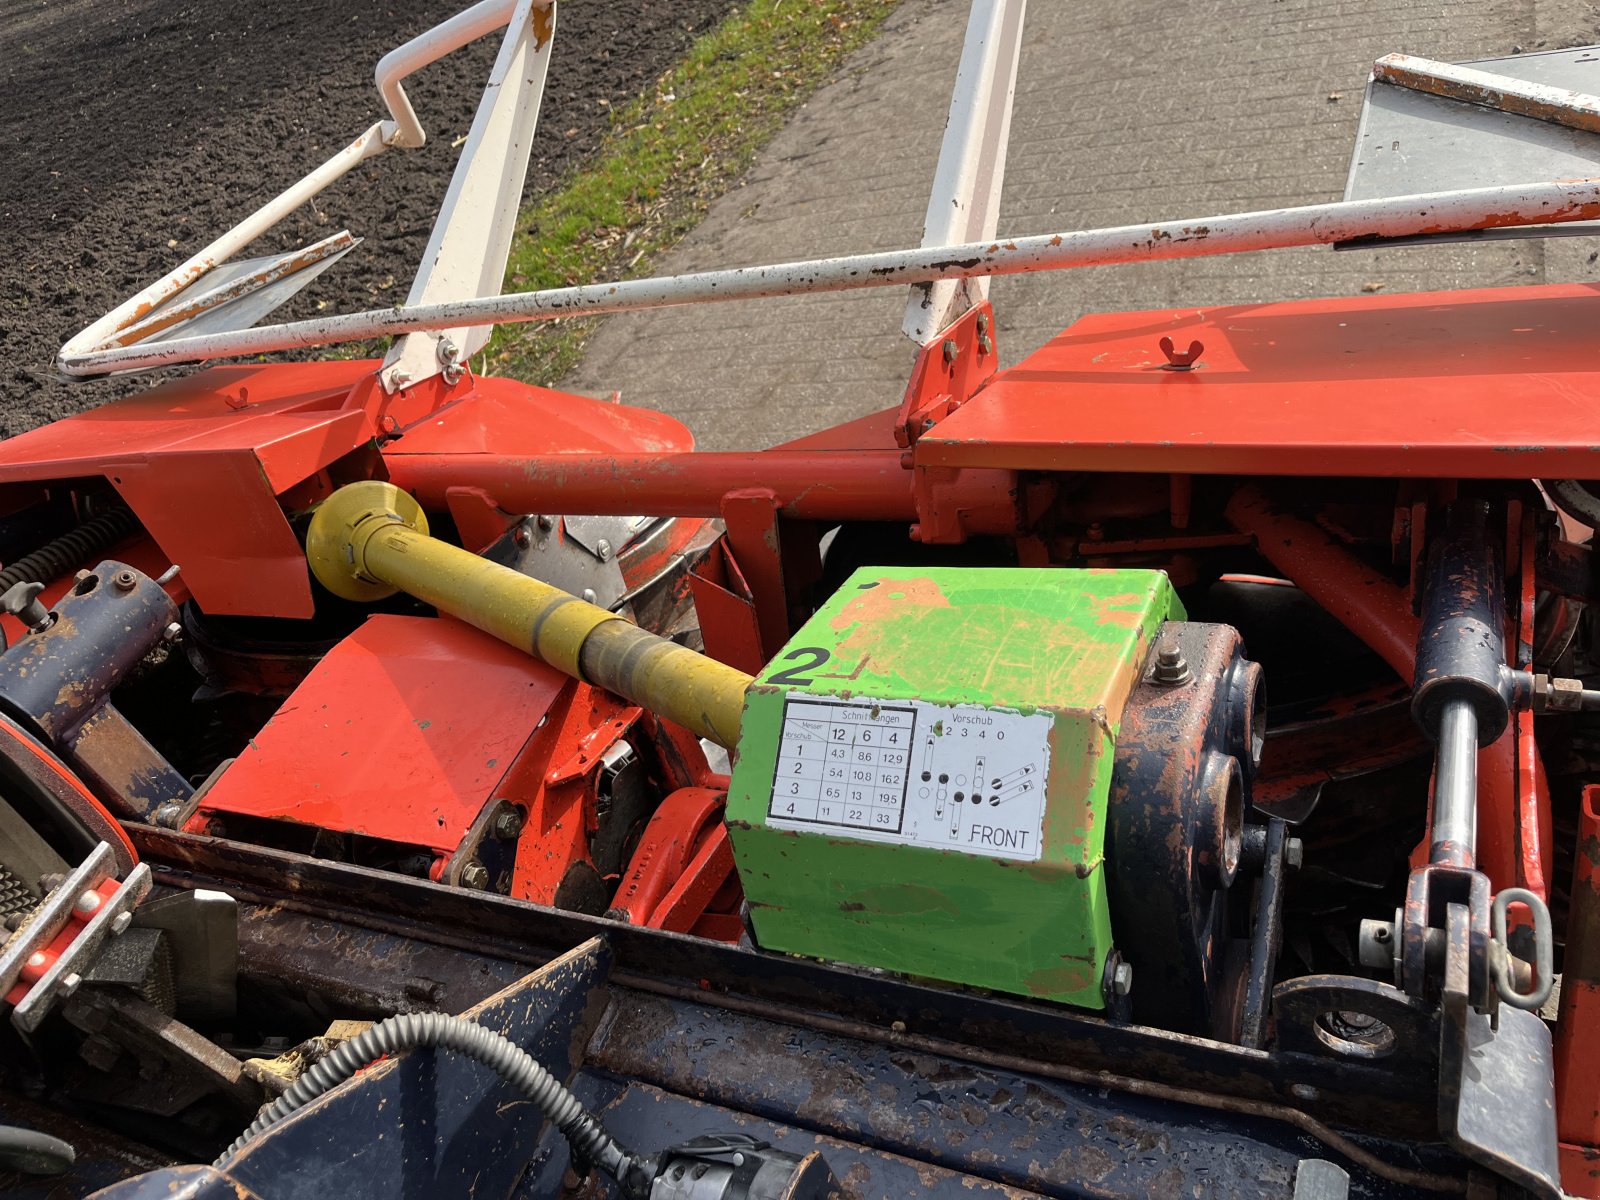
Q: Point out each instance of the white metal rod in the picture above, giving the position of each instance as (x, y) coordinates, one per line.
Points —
(444, 38)
(1398, 216)
(1560, 106)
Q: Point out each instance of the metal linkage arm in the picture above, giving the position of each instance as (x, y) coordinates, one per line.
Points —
(1273, 229)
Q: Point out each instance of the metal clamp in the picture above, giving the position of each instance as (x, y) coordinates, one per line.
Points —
(76, 893)
(1501, 967)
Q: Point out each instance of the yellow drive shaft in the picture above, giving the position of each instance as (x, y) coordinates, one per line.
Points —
(369, 540)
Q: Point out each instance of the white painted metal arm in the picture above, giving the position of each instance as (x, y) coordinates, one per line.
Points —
(964, 204)
(471, 239)
(402, 129)
(1317, 224)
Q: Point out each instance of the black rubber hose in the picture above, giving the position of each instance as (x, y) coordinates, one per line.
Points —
(589, 1140)
(75, 546)
(1572, 498)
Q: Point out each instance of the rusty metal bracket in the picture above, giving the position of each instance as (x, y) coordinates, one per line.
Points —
(949, 371)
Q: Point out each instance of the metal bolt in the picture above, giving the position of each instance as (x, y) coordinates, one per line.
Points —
(120, 923)
(1122, 979)
(399, 378)
(983, 322)
(545, 522)
(88, 902)
(1171, 669)
(167, 815)
(51, 881)
(603, 549)
(951, 350)
(1294, 853)
(172, 632)
(985, 344)
(126, 581)
(521, 536)
(70, 983)
(475, 876)
(507, 823)
(590, 595)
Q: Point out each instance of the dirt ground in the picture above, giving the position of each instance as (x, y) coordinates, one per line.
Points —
(134, 131)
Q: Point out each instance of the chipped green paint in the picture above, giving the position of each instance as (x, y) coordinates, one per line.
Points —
(1068, 644)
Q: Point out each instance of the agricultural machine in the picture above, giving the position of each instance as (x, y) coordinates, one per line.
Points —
(1166, 767)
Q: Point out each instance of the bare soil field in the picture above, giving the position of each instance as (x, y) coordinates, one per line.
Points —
(134, 131)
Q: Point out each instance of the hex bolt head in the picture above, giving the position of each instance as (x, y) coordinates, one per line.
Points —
(507, 825)
(521, 536)
(1294, 852)
(1171, 667)
(545, 522)
(951, 350)
(172, 632)
(70, 983)
(475, 876)
(1122, 979)
(120, 923)
(603, 549)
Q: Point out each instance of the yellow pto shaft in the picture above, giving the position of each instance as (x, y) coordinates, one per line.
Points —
(370, 539)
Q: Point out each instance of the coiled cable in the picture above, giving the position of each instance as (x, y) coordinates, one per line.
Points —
(588, 1138)
(56, 557)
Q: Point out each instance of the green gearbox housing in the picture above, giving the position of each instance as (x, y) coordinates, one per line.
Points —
(923, 774)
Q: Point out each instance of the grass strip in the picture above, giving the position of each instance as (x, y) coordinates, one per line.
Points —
(667, 156)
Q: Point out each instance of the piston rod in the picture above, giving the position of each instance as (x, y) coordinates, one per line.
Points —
(370, 539)
(1455, 787)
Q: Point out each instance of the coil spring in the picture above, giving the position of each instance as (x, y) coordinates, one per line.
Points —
(59, 556)
(589, 1140)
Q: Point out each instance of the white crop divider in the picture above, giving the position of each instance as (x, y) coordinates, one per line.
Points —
(964, 204)
(402, 130)
(471, 239)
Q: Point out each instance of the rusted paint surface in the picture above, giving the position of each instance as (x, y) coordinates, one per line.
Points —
(1490, 89)
(1176, 809)
(268, 274)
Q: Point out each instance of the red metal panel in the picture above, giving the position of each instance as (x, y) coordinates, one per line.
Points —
(1578, 1020)
(1491, 383)
(403, 732)
(200, 461)
(503, 417)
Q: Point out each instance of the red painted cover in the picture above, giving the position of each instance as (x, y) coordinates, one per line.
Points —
(1493, 383)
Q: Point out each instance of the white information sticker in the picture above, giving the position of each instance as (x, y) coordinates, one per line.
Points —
(954, 777)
